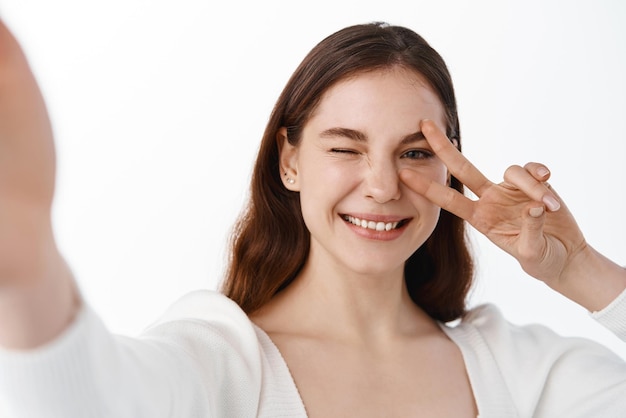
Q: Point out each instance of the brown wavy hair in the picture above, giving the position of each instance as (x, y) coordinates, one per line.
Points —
(270, 242)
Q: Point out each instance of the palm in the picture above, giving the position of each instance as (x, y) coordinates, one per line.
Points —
(498, 215)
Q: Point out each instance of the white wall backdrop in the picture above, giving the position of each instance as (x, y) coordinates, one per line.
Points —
(158, 107)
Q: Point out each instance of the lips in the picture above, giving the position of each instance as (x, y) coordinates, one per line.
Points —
(375, 224)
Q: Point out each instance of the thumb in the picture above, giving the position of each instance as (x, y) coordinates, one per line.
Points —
(531, 240)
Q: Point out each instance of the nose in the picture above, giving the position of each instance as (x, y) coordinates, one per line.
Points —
(382, 183)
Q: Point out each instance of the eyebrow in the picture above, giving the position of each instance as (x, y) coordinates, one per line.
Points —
(361, 137)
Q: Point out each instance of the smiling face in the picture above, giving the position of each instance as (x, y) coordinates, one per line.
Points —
(362, 219)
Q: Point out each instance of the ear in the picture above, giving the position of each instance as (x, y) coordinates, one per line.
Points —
(288, 161)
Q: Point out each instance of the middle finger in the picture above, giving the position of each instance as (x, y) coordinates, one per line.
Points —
(459, 166)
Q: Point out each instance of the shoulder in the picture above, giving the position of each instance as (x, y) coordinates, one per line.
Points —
(489, 322)
(230, 353)
(205, 305)
(216, 345)
(217, 336)
(513, 343)
(205, 318)
(542, 372)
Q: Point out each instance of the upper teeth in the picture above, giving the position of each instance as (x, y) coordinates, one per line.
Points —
(377, 226)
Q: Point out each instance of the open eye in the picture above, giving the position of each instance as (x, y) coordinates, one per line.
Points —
(417, 154)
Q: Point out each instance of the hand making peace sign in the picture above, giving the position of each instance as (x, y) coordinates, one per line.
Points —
(522, 215)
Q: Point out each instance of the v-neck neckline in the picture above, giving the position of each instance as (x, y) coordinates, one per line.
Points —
(488, 388)
(280, 370)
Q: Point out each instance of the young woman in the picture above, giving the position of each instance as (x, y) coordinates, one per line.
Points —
(347, 264)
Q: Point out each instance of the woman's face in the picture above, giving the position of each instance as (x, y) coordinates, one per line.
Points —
(361, 217)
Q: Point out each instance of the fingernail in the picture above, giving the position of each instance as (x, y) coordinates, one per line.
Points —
(536, 212)
(542, 172)
(551, 203)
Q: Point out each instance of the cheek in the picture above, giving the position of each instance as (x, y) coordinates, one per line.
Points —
(327, 177)
(322, 186)
(435, 171)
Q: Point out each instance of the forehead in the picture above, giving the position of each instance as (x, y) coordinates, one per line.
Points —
(395, 96)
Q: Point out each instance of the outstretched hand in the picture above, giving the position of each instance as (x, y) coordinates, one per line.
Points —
(27, 163)
(37, 293)
(522, 215)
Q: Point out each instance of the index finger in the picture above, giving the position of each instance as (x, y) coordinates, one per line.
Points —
(459, 166)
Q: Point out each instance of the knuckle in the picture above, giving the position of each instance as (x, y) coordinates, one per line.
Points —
(448, 198)
(466, 168)
(531, 164)
(511, 172)
(526, 255)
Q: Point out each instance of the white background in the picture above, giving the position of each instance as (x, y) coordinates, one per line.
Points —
(158, 107)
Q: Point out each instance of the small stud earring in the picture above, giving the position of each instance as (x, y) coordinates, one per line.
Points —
(289, 179)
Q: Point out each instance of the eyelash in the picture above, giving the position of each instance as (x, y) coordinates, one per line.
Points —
(343, 151)
(423, 154)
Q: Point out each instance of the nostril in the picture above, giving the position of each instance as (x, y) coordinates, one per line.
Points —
(383, 188)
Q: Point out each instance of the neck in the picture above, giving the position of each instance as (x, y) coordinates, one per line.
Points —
(347, 306)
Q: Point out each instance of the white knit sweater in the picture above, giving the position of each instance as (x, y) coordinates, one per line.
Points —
(205, 358)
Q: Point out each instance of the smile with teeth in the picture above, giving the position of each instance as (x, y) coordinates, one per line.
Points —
(376, 226)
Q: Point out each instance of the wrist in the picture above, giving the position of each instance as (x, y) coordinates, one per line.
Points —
(37, 300)
(591, 280)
